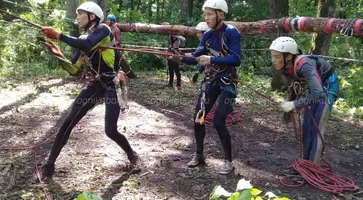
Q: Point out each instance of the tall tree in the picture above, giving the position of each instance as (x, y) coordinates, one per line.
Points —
(183, 18)
(71, 15)
(149, 10)
(190, 9)
(278, 9)
(321, 42)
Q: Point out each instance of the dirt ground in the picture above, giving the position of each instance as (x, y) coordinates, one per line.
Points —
(159, 127)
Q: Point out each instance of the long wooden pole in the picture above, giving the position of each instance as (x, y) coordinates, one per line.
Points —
(270, 26)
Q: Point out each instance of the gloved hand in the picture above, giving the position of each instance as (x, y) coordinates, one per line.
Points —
(287, 106)
(53, 48)
(50, 33)
(122, 77)
(195, 77)
(203, 60)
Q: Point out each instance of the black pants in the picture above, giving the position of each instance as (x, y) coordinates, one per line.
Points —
(89, 97)
(225, 106)
(174, 67)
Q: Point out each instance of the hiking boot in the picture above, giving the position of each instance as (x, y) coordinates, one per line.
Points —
(133, 158)
(46, 172)
(226, 168)
(290, 171)
(196, 160)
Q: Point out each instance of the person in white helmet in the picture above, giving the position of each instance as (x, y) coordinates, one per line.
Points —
(323, 87)
(220, 52)
(103, 67)
(201, 28)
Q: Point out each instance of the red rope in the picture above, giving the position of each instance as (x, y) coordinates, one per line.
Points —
(151, 51)
(319, 176)
(232, 117)
(32, 148)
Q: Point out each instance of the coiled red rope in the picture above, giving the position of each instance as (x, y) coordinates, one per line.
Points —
(319, 176)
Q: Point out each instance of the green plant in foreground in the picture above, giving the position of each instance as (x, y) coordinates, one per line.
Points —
(88, 196)
(244, 191)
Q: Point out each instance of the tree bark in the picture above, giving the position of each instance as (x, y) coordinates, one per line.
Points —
(190, 9)
(183, 17)
(278, 8)
(157, 9)
(321, 41)
(270, 26)
(71, 16)
(150, 12)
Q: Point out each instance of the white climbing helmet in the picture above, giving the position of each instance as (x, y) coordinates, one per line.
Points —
(202, 26)
(285, 45)
(216, 4)
(93, 8)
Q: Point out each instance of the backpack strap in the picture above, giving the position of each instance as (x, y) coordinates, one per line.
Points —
(300, 60)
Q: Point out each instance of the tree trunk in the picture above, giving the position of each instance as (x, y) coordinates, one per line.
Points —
(168, 9)
(278, 8)
(71, 16)
(157, 9)
(270, 26)
(321, 42)
(190, 9)
(150, 12)
(183, 17)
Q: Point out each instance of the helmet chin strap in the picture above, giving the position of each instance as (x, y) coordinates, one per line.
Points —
(217, 21)
(89, 24)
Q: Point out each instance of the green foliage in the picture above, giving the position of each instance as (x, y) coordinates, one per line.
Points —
(244, 191)
(22, 55)
(88, 196)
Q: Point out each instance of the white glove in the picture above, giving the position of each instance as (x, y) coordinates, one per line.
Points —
(287, 106)
(204, 60)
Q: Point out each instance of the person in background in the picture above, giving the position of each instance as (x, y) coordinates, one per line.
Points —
(174, 43)
(111, 22)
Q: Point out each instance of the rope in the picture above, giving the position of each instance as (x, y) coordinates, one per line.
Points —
(319, 176)
(154, 47)
(232, 117)
(32, 148)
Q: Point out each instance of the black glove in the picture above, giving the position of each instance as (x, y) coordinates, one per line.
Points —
(195, 77)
